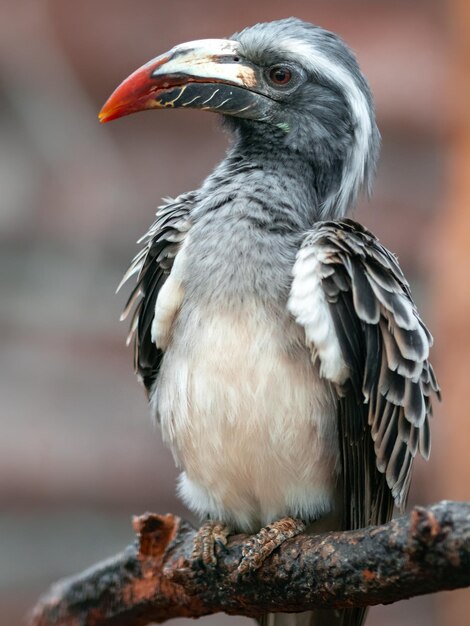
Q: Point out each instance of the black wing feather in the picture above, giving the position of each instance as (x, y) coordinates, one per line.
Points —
(152, 266)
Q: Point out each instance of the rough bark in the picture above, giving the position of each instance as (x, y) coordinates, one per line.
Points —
(153, 581)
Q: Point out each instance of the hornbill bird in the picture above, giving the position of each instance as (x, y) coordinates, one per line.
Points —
(278, 340)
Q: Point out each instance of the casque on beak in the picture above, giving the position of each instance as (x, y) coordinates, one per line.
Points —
(209, 74)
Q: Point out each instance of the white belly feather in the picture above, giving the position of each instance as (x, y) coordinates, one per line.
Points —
(253, 428)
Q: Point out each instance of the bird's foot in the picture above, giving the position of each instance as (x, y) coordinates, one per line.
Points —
(261, 545)
(207, 537)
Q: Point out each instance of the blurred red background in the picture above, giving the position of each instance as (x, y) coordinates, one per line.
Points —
(78, 454)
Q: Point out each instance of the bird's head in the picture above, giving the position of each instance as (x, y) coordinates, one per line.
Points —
(291, 84)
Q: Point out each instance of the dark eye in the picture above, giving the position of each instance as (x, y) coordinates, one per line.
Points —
(280, 75)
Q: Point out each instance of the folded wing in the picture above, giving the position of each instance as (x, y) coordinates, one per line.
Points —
(153, 265)
(362, 325)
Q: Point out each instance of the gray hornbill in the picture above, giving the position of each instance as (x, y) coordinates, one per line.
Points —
(278, 340)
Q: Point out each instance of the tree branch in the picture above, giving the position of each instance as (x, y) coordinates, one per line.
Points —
(153, 581)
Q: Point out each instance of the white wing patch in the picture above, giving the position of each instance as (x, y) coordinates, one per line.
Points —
(308, 305)
(169, 301)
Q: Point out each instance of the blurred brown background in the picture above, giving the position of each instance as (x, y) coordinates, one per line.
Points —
(78, 454)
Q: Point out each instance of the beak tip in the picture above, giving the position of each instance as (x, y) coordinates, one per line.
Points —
(107, 114)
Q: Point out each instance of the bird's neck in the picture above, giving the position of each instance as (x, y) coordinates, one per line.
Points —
(263, 162)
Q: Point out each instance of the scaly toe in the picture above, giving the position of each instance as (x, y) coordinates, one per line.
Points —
(210, 534)
(260, 546)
